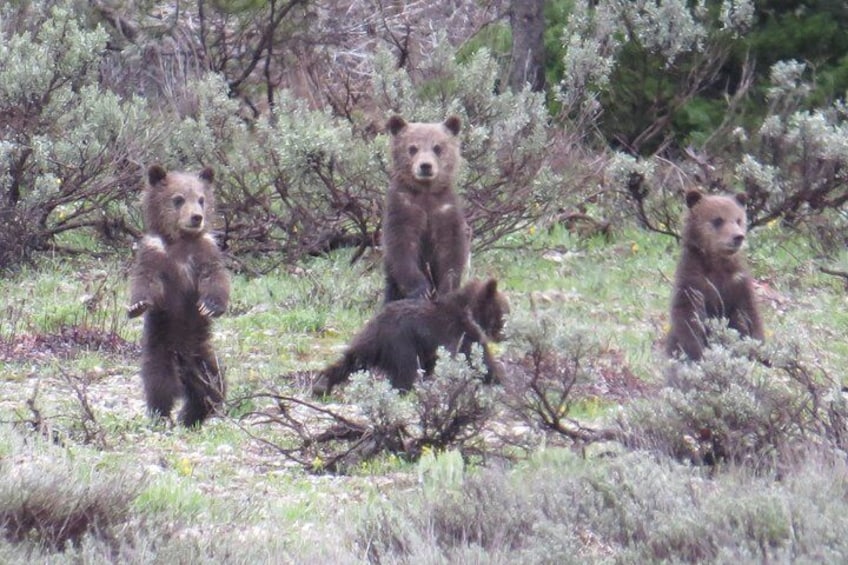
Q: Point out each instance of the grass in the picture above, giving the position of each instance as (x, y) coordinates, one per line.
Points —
(620, 290)
(215, 495)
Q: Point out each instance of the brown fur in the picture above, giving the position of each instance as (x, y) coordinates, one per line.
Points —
(179, 283)
(711, 279)
(405, 335)
(425, 235)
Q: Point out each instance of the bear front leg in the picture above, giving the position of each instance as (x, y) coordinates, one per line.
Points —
(494, 368)
(404, 278)
(452, 250)
(745, 318)
(403, 230)
(472, 335)
(336, 373)
(213, 302)
(213, 286)
(147, 288)
(403, 367)
(137, 308)
(688, 334)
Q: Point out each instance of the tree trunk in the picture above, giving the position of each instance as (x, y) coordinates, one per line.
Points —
(527, 20)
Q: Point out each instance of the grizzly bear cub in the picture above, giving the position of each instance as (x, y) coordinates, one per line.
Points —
(425, 235)
(179, 283)
(403, 338)
(711, 279)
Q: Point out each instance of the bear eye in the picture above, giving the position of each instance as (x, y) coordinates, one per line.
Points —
(717, 222)
(413, 150)
(178, 201)
(437, 149)
(201, 201)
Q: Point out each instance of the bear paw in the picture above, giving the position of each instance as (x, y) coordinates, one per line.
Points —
(137, 309)
(424, 291)
(209, 308)
(321, 386)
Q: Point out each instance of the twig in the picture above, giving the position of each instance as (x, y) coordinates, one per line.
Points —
(835, 273)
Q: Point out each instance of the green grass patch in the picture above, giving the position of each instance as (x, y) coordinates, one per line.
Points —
(298, 318)
(172, 495)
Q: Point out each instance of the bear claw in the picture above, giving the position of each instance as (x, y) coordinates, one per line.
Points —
(137, 309)
(209, 309)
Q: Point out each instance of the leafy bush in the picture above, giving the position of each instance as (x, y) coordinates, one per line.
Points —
(447, 410)
(794, 165)
(557, 361)
(63, 505)
(69, 149)
(295, 180)
(634, 508)
(301, 181)
(638, 71)
(730, 406)
(792, 168)
(48, 501)
(642, 64)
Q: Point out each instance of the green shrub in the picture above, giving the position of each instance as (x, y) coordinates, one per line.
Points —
(48, 501)
(636, 508)
(302, 181)
(743, 403)
(69, 149)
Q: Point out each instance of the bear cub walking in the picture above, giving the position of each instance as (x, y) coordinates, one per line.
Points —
(405, 335)
(711, 279)
(179, 283)
(425, 235)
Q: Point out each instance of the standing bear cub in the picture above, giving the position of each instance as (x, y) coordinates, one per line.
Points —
(425, 235)
(179, 283)
(404, 337)
(711, 279)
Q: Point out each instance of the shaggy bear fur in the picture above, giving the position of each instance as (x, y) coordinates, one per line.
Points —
(404, 337)
(711, 279)
(179, 283)
(425, 235)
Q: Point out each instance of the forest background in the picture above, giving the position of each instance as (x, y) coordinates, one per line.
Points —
(618, 105)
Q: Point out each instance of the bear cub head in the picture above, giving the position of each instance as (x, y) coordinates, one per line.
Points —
(178, 205)
(424, 154)
(489, 307)
(716, 225)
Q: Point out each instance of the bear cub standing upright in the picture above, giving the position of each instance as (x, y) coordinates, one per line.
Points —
(179, 283)
(404, 337)
(711, 279)
(425, 235)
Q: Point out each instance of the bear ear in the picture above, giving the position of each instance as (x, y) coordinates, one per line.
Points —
(155, 174)
(395, 124)
(741, 198)
(693, 197)
(207, 174)
(453, 124)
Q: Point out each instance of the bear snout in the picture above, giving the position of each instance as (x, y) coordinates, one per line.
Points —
(731, 244)
(196, 221)
(425, 170)
(737, 240)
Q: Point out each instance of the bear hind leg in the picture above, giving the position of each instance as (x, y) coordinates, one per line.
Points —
(161, 383)
(204, 388)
